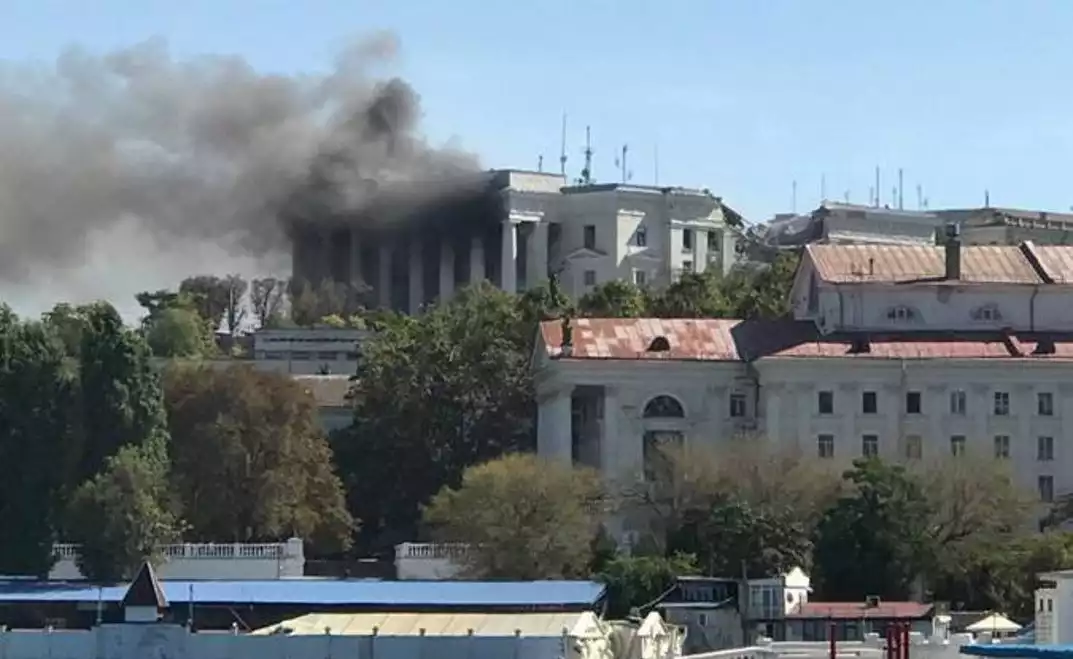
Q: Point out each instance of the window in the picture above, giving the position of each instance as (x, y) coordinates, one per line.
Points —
(1002, 403)
(640, 277)
(914, 447)
(640, 236)
(1045, 449)
(912, 402)
(1046, 488)
(590, 277)
(957, 445)
(957, 403)
(590, 236)
(702, 619)
(1002, 447)
(870, 446)
(713, 241)
(868, 402)
(901, 313)
(1045, 403)
(687, 239)
(737, 405)
(825, 402)
(825, 445)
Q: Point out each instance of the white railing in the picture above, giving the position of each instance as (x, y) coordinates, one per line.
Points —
(211, 560)
(426, 561)
(433, 550)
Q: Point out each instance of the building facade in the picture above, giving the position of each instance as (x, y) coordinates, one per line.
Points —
(515, 231)
(909, 353)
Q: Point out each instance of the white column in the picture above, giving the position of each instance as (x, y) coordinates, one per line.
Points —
(508, 260)
(416, 279)
(617, 463)
(536, 261)
(553, 427)
(356, 277)
(383, 279)
(476, 259)
(447, 270)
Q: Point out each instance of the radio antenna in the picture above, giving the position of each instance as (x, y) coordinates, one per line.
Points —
(562, 149)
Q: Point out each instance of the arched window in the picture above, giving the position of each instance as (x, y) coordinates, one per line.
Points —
(664, 407)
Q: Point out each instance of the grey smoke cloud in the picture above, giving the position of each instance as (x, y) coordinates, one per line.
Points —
(203, 151)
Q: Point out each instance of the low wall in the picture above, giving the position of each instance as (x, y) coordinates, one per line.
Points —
(426, 561)
(157, 641)
(253, 561)
(872, 648)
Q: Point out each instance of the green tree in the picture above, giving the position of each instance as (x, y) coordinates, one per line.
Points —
(124, 515)
(118, 401)
(732, 536)
(635, 581)
(155, 301)
(37, 387)
(178, 332)
(523, 518)
(615, 299)
(251, 462)
(209, 296)
(693, 296)
(267, 296)
(235, 311)
(874, 540)
(762, 292)
(433, 395)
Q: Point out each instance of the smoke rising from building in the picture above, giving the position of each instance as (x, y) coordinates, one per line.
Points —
(194, 153)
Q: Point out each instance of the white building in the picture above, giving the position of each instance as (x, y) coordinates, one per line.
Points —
(518, 229)
(905, 352)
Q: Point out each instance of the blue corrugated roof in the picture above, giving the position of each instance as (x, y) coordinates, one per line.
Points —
(1012, 650)
(328, 592)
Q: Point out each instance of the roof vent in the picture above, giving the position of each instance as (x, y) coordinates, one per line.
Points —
(1044, 346)
(659, 344)
(861, 345)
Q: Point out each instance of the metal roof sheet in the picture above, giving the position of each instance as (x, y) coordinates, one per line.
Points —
(330, 592)
(1056, 261)
(705, 339)
(431, 624)
(993, 264)
(859, 610)
(736, 340)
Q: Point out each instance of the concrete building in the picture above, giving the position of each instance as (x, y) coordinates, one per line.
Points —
(308, 350)
(854, 224)
(516, 228)
(904, 352)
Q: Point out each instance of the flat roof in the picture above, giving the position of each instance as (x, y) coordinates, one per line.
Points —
(331, 592)
(1018, 650)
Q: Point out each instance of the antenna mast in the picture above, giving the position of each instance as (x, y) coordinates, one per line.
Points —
(562, 150)
(877, 188)
(901, 198)
(586, 173)
(920, 197)
(625, 170)
(540, 163)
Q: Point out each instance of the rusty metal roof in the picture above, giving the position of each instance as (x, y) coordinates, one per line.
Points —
(702, 339)
(994, 264)
(860, 610)
(736, 340)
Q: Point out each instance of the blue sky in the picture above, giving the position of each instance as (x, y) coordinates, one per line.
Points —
(741, 97)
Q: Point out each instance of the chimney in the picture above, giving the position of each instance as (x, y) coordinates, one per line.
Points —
(952, 243)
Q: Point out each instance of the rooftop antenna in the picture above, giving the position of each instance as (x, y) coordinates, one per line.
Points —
(793, 197)
(920, 197)
(877, 188)
(562, 150)
(894, 196)
(872, 196)
(540, 163)
(987, 198)
(901, 189)
(620, 163)
(586, 173)
(845, 195)
(823, 188)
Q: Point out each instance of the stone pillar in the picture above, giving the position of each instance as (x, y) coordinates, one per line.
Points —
(356, 277)
(383, 278)
(508, 258)
(447, 270)
(416, 277)
(476, 259)
(554, 440)
(536, 261)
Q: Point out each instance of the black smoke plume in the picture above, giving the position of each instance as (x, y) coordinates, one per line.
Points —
(197, 152)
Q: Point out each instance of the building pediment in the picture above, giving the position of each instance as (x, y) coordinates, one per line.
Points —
(644, 255)
(584, 253)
